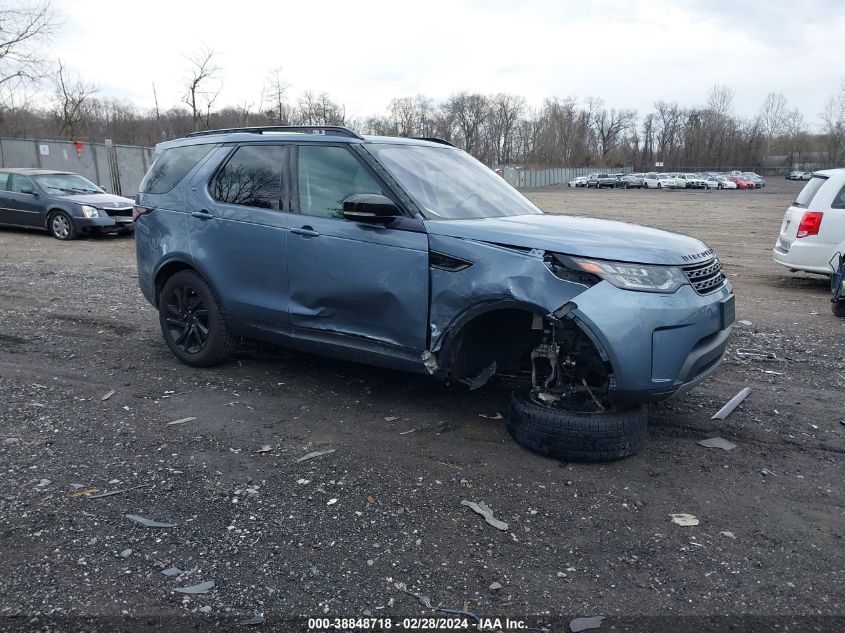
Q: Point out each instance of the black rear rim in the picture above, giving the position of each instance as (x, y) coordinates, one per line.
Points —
(186, 316)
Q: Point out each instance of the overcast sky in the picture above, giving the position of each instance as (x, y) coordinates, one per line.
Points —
(363, 53)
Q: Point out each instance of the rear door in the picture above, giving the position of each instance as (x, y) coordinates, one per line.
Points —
(22, 203)
(795, 213)
(352, 283)
(238, 234)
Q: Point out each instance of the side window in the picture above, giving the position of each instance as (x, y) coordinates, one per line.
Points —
(252, 177)
(839, 200)
(327, 175)
(19, 183)
(4, 181)
(169, 168)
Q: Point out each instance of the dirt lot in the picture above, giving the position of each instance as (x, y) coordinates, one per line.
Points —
(583, 540)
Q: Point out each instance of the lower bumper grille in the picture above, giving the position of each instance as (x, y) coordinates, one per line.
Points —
(119, 213)
(705, 277)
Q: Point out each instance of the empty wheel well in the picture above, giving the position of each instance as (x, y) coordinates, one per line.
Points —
(167, 271)
(508, 337)
(502, 336)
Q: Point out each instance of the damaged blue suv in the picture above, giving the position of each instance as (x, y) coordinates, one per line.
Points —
(410, 254)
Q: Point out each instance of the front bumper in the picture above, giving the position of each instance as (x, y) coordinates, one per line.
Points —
(104, 223)
(658, 345)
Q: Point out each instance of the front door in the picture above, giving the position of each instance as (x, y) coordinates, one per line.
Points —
(347, 278)
(238, 231)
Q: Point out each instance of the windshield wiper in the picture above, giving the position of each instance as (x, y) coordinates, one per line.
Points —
(84, 190)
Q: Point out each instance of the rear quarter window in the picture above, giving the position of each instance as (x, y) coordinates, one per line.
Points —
(171, 166)
(805, 198)
(839, 200)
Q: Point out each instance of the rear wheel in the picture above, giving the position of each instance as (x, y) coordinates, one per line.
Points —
(838, 308)
(192, 321)
(576, 436)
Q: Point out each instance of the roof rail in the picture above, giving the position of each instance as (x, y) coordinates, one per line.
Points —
(334, 130)
(432, 140)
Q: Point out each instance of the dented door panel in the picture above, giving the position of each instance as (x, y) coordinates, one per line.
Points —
(353, 279)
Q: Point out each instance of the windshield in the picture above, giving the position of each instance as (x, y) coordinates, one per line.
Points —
(449, 184)
(66, 184)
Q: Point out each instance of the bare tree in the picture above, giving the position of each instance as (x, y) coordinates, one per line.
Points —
(609, 126)
(506, 110)
(276, 94)
(72, 101)
(771, 118)
(24, 27)
(833, 124)
(470, 112)
(314, 109)
(200, 90)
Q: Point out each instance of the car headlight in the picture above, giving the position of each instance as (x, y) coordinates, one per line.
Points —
(666, 279)
(90, 212)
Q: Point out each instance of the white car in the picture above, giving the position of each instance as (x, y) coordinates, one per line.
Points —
(813, 230)
(720, 182)
(666, 181)
(691, 181)
(578, 181)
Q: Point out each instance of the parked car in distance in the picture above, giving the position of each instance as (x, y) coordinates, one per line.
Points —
(650, 180)
(629, 181)
(691, 181)
(720, 182)
(758, 180)
(812, 234)
(666, 181)
(578, 181)
(601, 180)
(63, 203)
(412, 255)
(795, 175)
(742, 182)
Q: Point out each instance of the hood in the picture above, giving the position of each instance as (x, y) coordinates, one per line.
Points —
(574, 235)
(100, 200)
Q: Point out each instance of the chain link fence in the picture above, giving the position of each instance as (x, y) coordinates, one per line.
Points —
(118, 169)
(530, 178)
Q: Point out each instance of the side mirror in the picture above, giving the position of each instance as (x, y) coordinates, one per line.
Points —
(369, 207)
(28, 190)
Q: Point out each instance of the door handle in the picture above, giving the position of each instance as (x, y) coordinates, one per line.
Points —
(202, 215)
(307, 231)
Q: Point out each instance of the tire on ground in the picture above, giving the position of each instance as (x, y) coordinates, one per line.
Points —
(221, 342)
(838, 308)
(574, 436)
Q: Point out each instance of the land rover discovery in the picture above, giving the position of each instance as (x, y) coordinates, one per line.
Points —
(410, 254)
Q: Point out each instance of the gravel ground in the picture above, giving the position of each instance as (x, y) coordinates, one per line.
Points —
(215, 454)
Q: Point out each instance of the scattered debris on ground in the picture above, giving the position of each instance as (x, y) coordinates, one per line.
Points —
(305, 458)
(181, 421)
(684, 519)
(148, 522)
(584, 624)
(717, 442)
(481, 508)
(732, 404)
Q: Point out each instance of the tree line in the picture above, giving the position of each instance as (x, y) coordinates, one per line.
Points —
(498, 129)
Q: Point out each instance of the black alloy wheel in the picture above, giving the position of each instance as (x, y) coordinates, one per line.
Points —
(187, 319)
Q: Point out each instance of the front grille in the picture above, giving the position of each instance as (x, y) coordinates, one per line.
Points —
(121, 213)
(705, 277)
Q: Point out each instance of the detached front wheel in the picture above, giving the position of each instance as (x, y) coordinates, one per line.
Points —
(576, 436)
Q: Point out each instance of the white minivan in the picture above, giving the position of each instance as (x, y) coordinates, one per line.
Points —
(813, 230)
